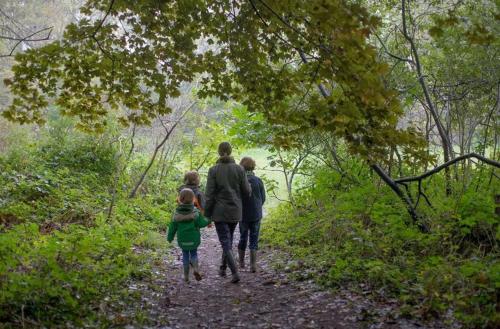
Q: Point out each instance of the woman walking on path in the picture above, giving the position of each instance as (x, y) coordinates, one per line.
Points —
(226, 185)
(252, 214)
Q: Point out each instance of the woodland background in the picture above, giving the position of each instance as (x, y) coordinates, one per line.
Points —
(334, 121)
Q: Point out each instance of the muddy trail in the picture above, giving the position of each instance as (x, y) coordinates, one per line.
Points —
(261, 300)
(266, 299)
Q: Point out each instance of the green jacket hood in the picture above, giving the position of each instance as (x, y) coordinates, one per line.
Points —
(185, 213)
(186, 224)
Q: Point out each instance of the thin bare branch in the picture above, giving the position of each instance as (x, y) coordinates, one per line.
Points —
(103, 19)
(28, 39)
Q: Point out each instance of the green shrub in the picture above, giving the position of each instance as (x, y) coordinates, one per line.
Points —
(52, 277)
(60, 254)
(360, 234)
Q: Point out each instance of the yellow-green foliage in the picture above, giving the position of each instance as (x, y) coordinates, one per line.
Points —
(250, 65)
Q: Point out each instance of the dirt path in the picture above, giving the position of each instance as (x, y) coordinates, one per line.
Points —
(262, 300)
(266, 299)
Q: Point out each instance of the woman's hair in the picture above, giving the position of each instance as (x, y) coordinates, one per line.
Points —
(225, 149)
(192, 178)
(248, 163)
(186, 196)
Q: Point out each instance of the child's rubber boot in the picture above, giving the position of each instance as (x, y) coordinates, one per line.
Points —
(241, 258)
(186, 273)
(223, 266)
(253, 261)
(232, 266)
(196, 271)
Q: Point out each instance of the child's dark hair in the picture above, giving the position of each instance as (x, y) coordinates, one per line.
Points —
(192, 178)
(247, 163)
(186, 196)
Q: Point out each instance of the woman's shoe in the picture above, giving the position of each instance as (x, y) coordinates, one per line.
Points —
(241, 258)
(235, 278)
(223, 266)
(232, 266)
(253, 261)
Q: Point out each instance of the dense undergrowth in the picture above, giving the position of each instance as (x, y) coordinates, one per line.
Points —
(62, 259)
(353, 232)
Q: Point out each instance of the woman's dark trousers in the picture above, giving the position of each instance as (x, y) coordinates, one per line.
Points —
(225, 232)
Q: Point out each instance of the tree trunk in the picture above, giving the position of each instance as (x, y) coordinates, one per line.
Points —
(153, 157)
(445, 142)
(404, 197)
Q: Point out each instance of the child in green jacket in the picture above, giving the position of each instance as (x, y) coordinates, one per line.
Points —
(187, 222)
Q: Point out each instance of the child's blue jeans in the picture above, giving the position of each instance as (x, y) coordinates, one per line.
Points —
(189, 256)
(249, 229)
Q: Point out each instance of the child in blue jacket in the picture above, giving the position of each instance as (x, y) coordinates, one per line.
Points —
(252, 214)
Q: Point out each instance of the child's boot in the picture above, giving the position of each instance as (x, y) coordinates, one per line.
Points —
(241, 258)
(223, 266)
(196, 271)
(232, 266)
(253, 261)
(186, 273)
